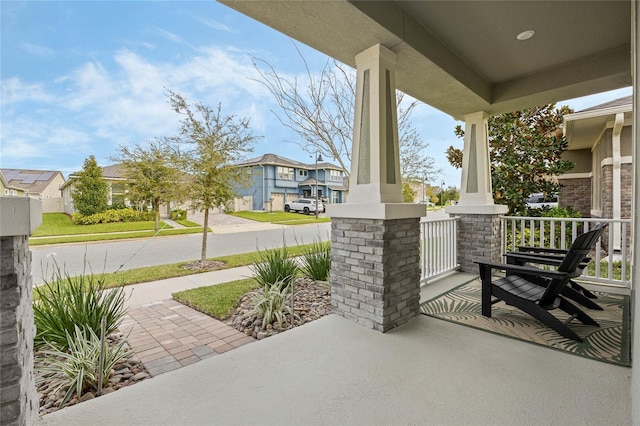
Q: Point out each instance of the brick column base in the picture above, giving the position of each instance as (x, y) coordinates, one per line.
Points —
(478, 238)
(18, 397)
(375, 270)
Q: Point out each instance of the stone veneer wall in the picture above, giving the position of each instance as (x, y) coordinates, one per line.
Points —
(576, 193)
(18, 397)
(375, 270)
(626, 201)
(478, 238)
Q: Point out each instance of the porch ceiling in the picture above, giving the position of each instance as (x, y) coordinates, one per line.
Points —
(463, 56)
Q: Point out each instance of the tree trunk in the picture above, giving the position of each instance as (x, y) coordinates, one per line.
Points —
(203, 256)
(156, 209)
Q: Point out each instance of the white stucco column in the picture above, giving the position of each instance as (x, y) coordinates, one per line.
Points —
(375, 185)
(616, 212)
(475, 187)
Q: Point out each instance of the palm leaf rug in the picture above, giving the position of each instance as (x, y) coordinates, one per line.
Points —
(608, 343)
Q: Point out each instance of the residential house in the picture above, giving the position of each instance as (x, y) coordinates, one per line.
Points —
(116, 183)
(601, 147)
(7, 190)
(276, 180)
(43, 185)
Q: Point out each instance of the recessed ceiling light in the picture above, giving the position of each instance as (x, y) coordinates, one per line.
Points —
(525, 35)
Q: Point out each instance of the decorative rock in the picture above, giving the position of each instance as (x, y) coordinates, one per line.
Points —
(107, 391)
(87, 396)
(140, 376)
(312, 300)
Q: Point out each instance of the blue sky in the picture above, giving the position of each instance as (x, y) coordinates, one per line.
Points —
(80, 78)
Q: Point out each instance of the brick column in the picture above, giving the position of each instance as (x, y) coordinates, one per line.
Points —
(18, 396)
(375, 274)
(478, 238)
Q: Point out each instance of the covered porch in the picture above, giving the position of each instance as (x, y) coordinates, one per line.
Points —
(464, 59)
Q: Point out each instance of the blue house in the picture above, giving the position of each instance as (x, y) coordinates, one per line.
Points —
(276, 180)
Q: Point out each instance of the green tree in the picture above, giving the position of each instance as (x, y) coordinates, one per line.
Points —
(215, 142)
(450, 194)
(407, 192)
(525, 153)
(90, 193)
(153, 174)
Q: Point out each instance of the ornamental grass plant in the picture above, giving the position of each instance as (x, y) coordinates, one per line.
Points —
(273, 266)
(64, 303)
(316, 261)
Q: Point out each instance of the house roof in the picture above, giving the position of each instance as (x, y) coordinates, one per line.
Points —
(113, 172)
(31, 181)
(584, 129)
(278, 160)
(611, 104)
(463, 57)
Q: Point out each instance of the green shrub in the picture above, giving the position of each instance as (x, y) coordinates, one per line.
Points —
(272, 303)
(274, 266)
(316, 261)
(113, 215)
(178, 214)
(77, 369)
(64, 302)
(546, 212)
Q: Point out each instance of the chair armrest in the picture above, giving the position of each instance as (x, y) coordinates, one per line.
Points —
(542, 250)
(521, 270)
(550, 260)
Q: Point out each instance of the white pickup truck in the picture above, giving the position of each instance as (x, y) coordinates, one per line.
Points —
(304, 205)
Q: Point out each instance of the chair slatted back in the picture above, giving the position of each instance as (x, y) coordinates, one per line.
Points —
(579, 249)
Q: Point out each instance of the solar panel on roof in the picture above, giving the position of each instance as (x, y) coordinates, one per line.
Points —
(29, 179)
(45, 176)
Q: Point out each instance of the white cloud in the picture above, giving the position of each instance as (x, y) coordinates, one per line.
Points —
(14, 91)
(215, 24)
(33, 49)
(168, 35)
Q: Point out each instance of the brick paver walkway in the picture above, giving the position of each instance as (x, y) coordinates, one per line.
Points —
(167, 335)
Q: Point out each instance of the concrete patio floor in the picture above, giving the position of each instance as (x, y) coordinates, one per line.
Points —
(334, 371)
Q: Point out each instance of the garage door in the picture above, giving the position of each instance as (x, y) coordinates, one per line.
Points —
(278, 202)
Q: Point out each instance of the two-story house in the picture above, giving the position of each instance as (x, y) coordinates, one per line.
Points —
(275, 180)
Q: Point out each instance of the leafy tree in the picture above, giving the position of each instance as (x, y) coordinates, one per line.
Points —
(449, 194)
(320, 108)
(153, 174)
(407, 192)
(525, 152)
(90, 193)
(215, 142)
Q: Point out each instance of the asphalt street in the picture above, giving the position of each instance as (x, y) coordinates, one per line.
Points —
(129, 254)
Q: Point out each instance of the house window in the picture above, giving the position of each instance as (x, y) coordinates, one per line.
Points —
(335, 175)
(335, 197)
(303, 172)
(117, 194)
(285, 173)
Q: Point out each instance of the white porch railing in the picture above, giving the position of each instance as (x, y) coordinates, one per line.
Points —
(439, 254)
(611, 259)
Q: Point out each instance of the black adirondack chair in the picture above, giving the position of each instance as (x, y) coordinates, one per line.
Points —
(519, 289)
(554, 257)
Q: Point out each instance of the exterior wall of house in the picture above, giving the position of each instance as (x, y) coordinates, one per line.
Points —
(576, 193)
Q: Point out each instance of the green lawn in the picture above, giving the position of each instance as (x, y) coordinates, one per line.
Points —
(282, 218)
(56, 224)
(187, 223)
(216, 300)
(106, 237)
